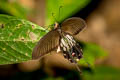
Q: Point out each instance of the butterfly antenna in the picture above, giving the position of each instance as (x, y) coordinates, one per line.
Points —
(49, 26)
(59, 12)
(54, 17)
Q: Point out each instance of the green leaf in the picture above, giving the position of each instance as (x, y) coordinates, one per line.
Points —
(91, 52)
(17, 39)
(12, 7)
(103, 73)
(69, 8)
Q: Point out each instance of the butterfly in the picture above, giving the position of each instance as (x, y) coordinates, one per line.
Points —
(62, 38)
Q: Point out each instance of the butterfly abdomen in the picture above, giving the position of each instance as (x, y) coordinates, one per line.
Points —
(70, 48)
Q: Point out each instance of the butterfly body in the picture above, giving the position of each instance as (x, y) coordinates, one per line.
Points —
(62, 36)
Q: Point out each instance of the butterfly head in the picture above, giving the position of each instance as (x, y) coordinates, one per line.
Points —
(56, 25)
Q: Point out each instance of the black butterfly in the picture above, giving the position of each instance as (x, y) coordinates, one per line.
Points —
(62, 37)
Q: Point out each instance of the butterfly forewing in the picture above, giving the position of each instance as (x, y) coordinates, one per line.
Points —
(73, 25)
(46, 44)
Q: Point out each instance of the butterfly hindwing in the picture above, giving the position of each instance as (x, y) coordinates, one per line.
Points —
(46, 44)
(73, 25)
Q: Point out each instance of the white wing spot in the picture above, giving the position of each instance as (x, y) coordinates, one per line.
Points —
(77, 59)
(58, 49)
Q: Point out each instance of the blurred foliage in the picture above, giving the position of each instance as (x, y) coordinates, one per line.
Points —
(103, 73)
(17, 39)
(91, 52)
(69, 8)
(12, 7)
